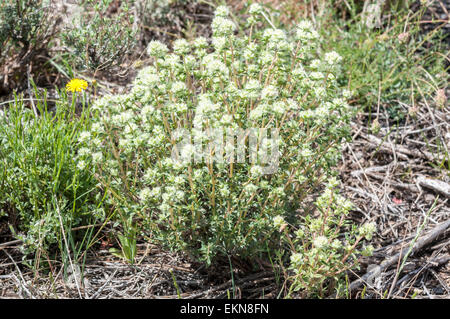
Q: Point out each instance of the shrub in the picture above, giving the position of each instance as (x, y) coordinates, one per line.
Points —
(178, 188)
(99, 39)
(168, 19)
(26, 28)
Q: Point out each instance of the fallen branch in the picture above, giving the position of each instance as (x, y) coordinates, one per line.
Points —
(421, 242)
(436, 185)
(400, 149)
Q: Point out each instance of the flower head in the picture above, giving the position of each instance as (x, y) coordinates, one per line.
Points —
(222, 11)
(255, 9)
(157, 49)
(76, 85)
(278, 221)
(367, 230)
(296, 259)
(320, 242)
(222, 27)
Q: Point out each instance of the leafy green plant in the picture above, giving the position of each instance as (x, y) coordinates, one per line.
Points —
(210, 209)
(326, 245)
(127, 241)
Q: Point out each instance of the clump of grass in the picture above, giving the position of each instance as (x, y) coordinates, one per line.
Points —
(386, 66)
(44, 191)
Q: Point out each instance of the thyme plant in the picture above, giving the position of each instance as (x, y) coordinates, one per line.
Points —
(221, 142)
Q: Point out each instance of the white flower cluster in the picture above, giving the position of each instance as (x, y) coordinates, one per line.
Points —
(332, 58)
(278, 221)
(157, 49)
(222, 11)
(305, 32)
(276, 40)
(255, 9)
(367, 230)
(222, 27)
(320, 242)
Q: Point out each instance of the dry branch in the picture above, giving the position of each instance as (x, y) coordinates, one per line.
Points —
(436, 185)
(385, 146)
(421, 242)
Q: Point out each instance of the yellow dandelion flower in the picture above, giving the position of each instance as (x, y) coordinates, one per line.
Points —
(76, 85)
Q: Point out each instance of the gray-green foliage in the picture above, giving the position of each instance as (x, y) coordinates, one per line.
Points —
(21, 21)
(97, 39)
(26, 29)
(159, 13)
(158, 10)
(270, 79)
(54, 167)
(327, 244)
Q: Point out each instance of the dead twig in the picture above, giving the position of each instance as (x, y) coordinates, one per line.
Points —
(435, 185)
(388, 147)
(421, 242)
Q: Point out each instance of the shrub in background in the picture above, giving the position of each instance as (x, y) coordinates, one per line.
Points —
(168, 19)
(26, 29)
(99, 38)
(34, 36)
